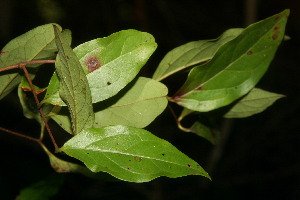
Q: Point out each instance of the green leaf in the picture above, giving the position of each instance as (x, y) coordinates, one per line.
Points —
(74, 88)
(117, 60)
(256, 101)
(191, 54)
(28, 104)
(62, 166)
(43, 189)
(236, 67)
(36, 44)
(52, 94)
(130, 154)
(138, 106)
(199, 128)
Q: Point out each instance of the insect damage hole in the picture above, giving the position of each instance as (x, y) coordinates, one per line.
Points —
(92, 63)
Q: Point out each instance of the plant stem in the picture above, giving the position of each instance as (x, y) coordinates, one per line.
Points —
(19, 65)
(21, 135)
(23, 66)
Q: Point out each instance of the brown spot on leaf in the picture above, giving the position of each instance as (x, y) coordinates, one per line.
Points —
(92, 63)
(189, 165)
(276, 33)
(2, 52)
(249, 52)
(277, 18)
(128, 168)
(139, 159)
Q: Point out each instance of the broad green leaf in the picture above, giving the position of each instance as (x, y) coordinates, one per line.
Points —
(115, 59)
(119, 57)
(191, 54)
(43, 189)
(36, 44)
(130, 154)
(74, 88)
(138, 106)
(256, 101)
(236, 67)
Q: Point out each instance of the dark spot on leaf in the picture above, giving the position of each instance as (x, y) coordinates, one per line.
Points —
(163, 154)
(129, 160)
(274, 36)
(277, 18)
(108, 83)
(139, 159)
(128, 168)
(249, 52)
(96, 123)
(67, 57)
(2, 52)
(92, 63)
(189, 165)
(276, 33)
(87, 153)
(198, 87)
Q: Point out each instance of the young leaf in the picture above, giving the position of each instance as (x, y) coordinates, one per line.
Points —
(28, 105)
(236, 67)
(191, 54)
(114, 61)
(43, 189)
(74, 88)
(130, 154)
(256, 101)
(138, 106)
(52, 94)
(198, 128)
(36, 44)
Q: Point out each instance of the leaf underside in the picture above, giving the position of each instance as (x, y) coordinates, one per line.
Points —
(74, 88)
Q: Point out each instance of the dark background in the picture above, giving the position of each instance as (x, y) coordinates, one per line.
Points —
(259, 155)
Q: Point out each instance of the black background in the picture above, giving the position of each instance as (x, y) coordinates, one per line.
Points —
(259, 158)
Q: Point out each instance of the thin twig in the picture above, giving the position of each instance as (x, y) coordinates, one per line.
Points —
(23, 66)
(21, 135)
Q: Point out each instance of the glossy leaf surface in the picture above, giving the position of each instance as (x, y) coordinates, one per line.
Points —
(236, 67)
(130, 154)
(74, 88)
(36, 44)
(256, 101)
(137, 106)
(116, 60)
(191, 54)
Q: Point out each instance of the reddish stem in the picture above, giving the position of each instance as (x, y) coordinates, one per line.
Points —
(19, 65)
(22, 66)
(20, 135)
